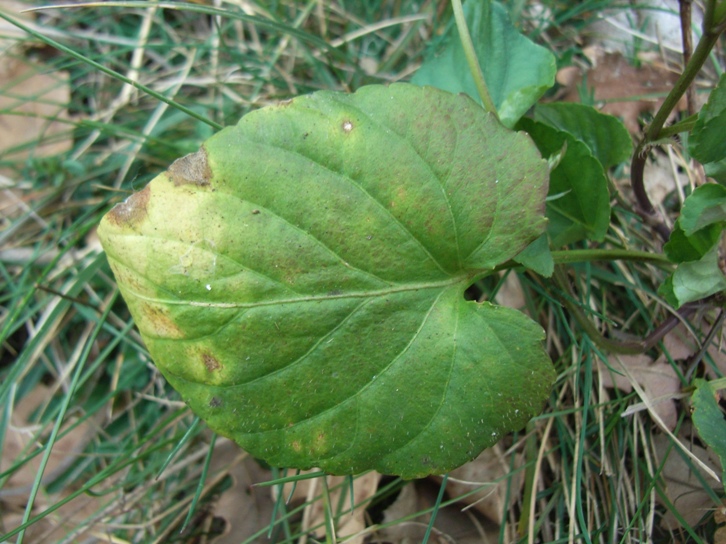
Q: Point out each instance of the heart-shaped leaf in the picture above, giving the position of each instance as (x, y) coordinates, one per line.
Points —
(517, 71)
(579, 205)
(300, 280)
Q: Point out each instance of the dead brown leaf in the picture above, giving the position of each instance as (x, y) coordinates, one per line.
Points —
(628, 91)
(490, 469)
(657, 379)
(65, 452)
(245, 508)
(683, 487)
(33, 101)
(680, 344)
(451, 524)
(364, 487)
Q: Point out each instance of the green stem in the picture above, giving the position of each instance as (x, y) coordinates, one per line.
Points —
(684, 125)
(471, 58)
(589, 255)
(719, 13)
(713, 26)
(700, 55)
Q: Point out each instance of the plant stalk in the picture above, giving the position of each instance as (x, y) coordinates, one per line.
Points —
(713, 26)
(590, 255)
(471, 58)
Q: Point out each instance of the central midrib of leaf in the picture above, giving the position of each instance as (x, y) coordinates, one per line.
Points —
(463, 279)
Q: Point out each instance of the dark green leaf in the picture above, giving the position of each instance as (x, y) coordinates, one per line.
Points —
(605, 135)
(706, 142)
(579, 203)
(300, 280)
(709, 419)
(517, 71)
(681, 248)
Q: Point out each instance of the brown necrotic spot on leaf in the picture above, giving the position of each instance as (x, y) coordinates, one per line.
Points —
(158, 322)
(131, 211)
(192, 169)
(211, 364)
(215, 402)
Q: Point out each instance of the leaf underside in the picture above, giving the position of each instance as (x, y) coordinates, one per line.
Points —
(300, 280)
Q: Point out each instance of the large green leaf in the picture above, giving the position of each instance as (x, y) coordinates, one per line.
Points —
(300, 280)
(516, 70)
(579, 202)
(605, 135)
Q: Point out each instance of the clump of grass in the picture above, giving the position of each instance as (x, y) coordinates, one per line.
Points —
(98, 437)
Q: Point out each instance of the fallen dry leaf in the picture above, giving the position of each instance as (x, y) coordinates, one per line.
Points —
(683, 486)
(245, 508)
(657, 379)
(9, 33)
(680, 344)
(627, 91)
(33, 100)
(364, 487)
(490, 469)
(66, 451)
(451, 524)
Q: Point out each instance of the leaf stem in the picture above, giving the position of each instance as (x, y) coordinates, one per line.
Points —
(589, 255)
(471, 58)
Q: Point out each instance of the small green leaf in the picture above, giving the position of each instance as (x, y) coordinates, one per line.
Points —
(704, 206)
(716, 170)
(709, 420)
(605, 135)
(706, 142)
(538, 257)
(300, 280)
(666, 291)
(579, 207)
(681, 248)
(695, 280)
(516, 70)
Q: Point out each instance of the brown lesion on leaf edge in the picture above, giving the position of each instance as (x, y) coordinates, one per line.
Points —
(192, 169)
(131, 211)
